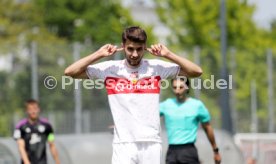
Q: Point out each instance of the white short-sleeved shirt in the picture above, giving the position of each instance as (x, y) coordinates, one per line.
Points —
(133, 96)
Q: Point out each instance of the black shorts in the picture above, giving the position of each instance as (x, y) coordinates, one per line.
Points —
(182, 154)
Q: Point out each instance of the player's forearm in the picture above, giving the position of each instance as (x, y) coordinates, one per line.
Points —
(54, 154)
(22, 151)
(211, 136)
(188, 68)
(80, 66)
(212, 140)
(56, 158)
(24, 156)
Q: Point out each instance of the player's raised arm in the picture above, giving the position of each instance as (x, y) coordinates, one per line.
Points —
(78, 68)
(188, 68)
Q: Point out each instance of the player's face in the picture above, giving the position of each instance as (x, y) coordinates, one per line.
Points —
(179, 89)
(134, 52)
(33, 111)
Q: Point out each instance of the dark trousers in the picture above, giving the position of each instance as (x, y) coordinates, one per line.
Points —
(182, 154)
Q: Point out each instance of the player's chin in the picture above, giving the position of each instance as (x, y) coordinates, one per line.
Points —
(33, 117)
(135, 62)
(179, 97)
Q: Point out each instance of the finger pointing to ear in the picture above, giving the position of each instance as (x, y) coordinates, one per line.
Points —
(114, 48)
(153, 48)
(160, 45)
(119, 49)
(149, 50)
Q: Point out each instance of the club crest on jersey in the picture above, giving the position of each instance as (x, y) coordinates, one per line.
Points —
(41, 128)
(28, 130)
(134, 77)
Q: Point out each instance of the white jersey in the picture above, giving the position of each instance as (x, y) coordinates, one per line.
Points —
(133, 96)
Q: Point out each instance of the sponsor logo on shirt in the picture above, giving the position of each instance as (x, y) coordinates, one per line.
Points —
(34, 139)
(123, 86)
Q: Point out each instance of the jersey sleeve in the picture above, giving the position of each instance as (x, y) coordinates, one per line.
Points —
(99, 70)
(50, 133)
(162, 107)
(203, 113)
(50, 129)
(167, 70)
(18, 133)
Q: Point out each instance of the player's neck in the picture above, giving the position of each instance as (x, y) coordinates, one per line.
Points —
(132, 66)
(33, 121)
(182, 99)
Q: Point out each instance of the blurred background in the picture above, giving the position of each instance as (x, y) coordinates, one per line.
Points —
(234, 40)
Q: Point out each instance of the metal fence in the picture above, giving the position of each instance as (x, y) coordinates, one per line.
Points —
(63, 122)
(257, 147)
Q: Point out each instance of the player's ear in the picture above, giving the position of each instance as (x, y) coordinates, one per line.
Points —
(188, 91)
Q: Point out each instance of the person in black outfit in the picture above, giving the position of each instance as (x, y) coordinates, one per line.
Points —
(32, 134)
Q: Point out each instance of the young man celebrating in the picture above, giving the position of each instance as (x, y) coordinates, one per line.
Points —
(32, 134)
(133, 92)
(182, 116)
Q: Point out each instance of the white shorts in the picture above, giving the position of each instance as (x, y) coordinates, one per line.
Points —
(137, 153)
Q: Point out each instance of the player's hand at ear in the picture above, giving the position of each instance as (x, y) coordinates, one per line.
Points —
(108, 50)
(158, 50)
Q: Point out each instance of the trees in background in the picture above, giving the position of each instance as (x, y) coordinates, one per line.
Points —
(76, 20)
(53, 25)
(196, 23)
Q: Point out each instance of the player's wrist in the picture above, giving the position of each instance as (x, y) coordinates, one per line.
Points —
(168, 55)
(98, 54)
(216, 150)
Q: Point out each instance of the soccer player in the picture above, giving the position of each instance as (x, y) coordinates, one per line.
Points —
(133, 89)
(182, 116)
(32, 134)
